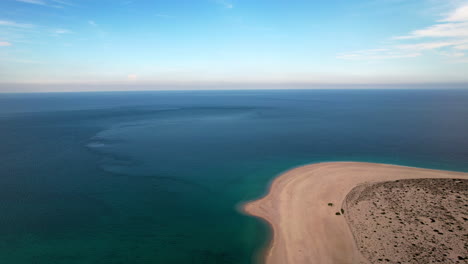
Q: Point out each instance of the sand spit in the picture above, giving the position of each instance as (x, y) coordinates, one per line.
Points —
(410, 221)
(304, 207)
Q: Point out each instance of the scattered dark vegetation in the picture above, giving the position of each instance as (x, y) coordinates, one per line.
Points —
(411, 221)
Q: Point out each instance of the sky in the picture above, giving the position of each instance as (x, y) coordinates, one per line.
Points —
(205, 42)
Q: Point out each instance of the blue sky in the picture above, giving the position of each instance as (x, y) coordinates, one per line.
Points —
(233, 41)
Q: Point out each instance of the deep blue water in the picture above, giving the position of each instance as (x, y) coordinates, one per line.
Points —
(155, 177)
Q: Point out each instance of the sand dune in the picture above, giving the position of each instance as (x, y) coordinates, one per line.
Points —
(306, 229)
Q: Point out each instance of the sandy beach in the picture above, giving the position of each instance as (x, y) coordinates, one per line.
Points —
(304, 207)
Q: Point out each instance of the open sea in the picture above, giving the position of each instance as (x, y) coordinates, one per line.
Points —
(157, 177)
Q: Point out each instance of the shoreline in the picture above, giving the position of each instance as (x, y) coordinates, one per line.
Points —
(304, 228)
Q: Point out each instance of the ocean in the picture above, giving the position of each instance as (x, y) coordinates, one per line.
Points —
(157, 177)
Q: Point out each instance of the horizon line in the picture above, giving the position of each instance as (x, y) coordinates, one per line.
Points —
(217, 86)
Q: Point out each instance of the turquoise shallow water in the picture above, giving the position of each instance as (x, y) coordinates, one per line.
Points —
(155, 177)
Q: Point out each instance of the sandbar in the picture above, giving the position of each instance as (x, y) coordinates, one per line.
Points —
(303, 207)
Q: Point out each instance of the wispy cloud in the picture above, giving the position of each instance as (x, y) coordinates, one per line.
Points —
(460, 14)
(62, 2)
(430, 45)
(34, 2)
(439, 30)
(448, 37)
(454, 25)
(225, 3)
(378, 54)
(49, 3)
(9, 23)
(5, 44)
(452, 54)
(92, 23)
(462, 47)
